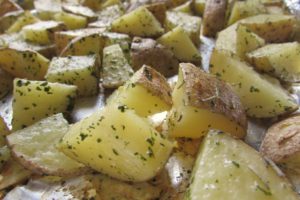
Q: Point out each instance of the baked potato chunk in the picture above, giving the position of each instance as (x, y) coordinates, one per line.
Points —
(23, 63)
(151, 88)
(281, 60)
(117, 142)
(202, 102)
(214, 17)
(42, 156)
(179, 42)
(81, 71)
(9, 19)
(70, 20)
(260, 98)
(115, 67)
(6, 83)
(227, 169)
(281, 143)
(42, 32)
(139, 22)
(25, 19)
(39, 99)
(147, 51)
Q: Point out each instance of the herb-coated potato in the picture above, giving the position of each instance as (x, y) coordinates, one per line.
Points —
(25, 19)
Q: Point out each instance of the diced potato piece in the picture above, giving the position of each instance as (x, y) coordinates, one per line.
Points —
(149, 52)
(63, 38)
(46, 9)
(281, 143)
(182, 46)
(151, 88)
(70, 20)
(81, 71)
(202, 102)
(199, 6)
(23, 63)
(26, 19)
(84, 45)
(42, 156)
(80, 10)
(139, 22)
(184, 8)
(42, 32)
(12, 173)
(190, 24)
(117, 142)
(281, 60)
(39, 99)
(8, 6)
(116, 70)
(6, 83)
(261, 98)
(158, 9)
(243, 9)
(227, 39)
(108, 3)
(228, 169)
(272, 28)
(121, 39)
(214, 17)
(247, 41)
(9, 19)
(107, 16)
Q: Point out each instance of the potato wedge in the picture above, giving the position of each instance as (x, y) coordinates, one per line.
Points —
(117, 142)
(214, 17)
(23, 63)
(260, 98)
(179, 42)
(6, 83)
(140, 22)
(202, 102)
(42, 156)
(281, 60)
(281, 143)
(116, 69)
(39, 99)
(152, 89)
(228, 169)
(147, 51)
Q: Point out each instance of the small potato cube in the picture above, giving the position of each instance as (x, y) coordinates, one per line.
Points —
(190, 24)
(139, 22)
(23, 63)
(116, 70)
(117, 142)
(70, 20)
(39, 99)
(151, 88)
(25, 19)
(42, 32)
(202, 102)
(178, 41)
(81, 71)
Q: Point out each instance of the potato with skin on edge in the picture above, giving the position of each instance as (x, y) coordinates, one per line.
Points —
(151, 88)
(117, 142)
(202, 102)
(227, 169)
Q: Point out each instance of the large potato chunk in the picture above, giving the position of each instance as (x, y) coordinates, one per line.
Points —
(81, 71)
(39, 99)
(35, 148)
(229, 169)
(117, 142)
(23, 63)
(260, 98)
(281, 143)
(147, 92)
(139, 22)
(202, 102)
(281, 60)
(146, 51)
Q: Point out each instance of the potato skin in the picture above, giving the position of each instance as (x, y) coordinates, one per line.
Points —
(282, 139)
(214, 17)
(206, 91)
(147, 51)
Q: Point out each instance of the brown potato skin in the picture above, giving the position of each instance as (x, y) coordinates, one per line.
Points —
(203, 90)
(282, 139)
(8, 6)
(147, 51)
(214, 17)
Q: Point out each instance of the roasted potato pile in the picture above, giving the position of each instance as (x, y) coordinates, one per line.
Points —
(180, 84)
